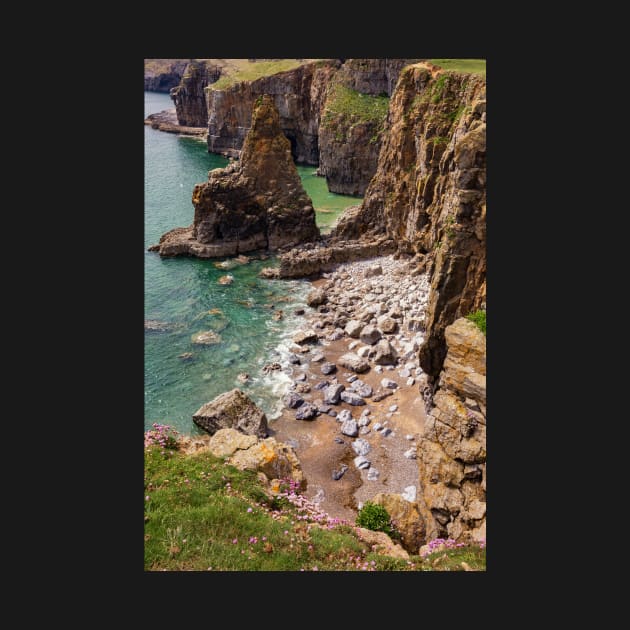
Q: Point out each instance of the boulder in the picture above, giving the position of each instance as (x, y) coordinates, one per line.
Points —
(406, 519)
(276, 460)
(381, 543)
(361, 446)
(328, 368)
(363, 389)
(225, 442)
(387, 324)
(388, 383)
(374, 270)
(353, 328)
(232, 410)
(293, 400)
(332, 394)
(344, 415)
(350, 428)
(385, 353)
(370, 335)
(306, 411)
(351, 398)
(316, 297)
(354, 362)
(305, 336)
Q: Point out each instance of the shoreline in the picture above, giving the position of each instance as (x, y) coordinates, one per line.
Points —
(349, 290)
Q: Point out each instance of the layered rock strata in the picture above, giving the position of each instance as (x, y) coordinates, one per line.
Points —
(451, 451)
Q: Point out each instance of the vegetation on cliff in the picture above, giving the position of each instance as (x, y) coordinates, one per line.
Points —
(245, 70)
(201, 514)
(358, 107)
(478, 318)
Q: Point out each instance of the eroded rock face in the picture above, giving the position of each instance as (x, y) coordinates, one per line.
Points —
(429, 193)
(232, 410)
(452, 449)
(189, 95)
(256, 203)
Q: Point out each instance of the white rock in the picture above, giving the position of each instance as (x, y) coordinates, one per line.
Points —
(387, 383)
(411, 453)
(405, 373)
(361, 446)
(353, 344)
(393, 408)
(409, 494)
(364, 351)
(418, 371)
(361, 462)
(378, 426)
(364, 421)
(378, 369)
(350, 428)
(372, 474)
(408, 436)
(410, 381)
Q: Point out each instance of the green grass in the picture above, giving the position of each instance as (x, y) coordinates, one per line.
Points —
(474, 66)
(250, 71)
(358, 107)
(478, 318)
(193, 517)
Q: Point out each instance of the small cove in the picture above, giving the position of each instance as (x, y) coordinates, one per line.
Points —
(183, 296)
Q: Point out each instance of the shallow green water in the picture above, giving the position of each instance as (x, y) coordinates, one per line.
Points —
(179, 292)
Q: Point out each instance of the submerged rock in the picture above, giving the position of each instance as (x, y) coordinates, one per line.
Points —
(206, 338)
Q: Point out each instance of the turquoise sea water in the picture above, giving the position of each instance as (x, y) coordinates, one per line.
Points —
(182, 294)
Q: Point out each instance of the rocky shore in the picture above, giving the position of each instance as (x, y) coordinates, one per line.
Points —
(167, 121)
(355, 410)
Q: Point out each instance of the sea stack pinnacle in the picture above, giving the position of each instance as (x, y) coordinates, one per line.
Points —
(256, 203)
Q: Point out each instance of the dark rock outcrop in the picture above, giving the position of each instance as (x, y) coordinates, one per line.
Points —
(161, 75)
(451, 451)
(190, 97)
(429, 193)
(232, 410)
(257, 202)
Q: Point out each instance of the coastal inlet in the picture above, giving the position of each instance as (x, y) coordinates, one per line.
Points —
(203, 330)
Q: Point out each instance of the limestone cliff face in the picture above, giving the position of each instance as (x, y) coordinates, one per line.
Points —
(298, 95)
(189, 95)
(160, 75)
(452, 449)
(429, 193)
(257, 202)
(353, 122)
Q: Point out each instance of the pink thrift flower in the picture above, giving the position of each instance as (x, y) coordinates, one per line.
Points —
(147, 497)
(234, 541)
(249, 510)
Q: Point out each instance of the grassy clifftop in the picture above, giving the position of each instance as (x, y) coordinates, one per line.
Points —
(201, 514)
(474, 66)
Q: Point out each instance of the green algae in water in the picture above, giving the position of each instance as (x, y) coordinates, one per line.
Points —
(328, 206)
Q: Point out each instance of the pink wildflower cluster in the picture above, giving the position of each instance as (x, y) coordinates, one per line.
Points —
(439, 544)
(161, 435)
(306, 509)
